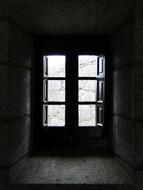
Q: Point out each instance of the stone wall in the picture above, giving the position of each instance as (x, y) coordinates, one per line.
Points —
(123, 91)
(127, 48)
(15, 69)
(19, 90)
(4, 59)
(138, 72)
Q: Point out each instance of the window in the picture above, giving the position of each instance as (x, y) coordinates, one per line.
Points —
(69, 90)
(90, 90)
(54, 86)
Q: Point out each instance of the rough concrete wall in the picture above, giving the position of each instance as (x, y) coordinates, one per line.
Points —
(4, 59)
(123, 91)
(138, 73)
(127, 44)
(139, 84)
(19, 90)
(15, 66)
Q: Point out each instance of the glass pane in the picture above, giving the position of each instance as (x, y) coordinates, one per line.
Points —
(87, 90)
(87, 65)
(56, 115)
(86, 115)
(56, 90)
(54, 66)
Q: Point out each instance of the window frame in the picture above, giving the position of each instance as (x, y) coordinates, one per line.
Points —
(55, 102)
(43, 47)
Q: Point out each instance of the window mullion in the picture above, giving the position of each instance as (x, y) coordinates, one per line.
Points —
(72, 93)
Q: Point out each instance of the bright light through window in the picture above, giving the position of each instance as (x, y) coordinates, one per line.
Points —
(54, 66)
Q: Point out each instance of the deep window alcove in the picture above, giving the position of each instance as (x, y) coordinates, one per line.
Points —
(70, 97)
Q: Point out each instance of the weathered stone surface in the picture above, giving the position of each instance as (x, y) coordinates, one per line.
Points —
(123, 45)
(123, 92)
(76, 187)
(4, 8)
(138, 39)
(4, 144)
(73, 17)
(15, 92)
(19, 135)
(4, 41)
(139, 177)
(69, 170)
(138, 7)
(139, 91)
(124, 138)
(4, 179)
(14, 140)
(139, 144)
(19, 92)
(21, 46)
(4, 91)
(4, 176)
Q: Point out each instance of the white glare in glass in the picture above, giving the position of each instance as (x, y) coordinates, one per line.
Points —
(87, 65)
(54, 66)
(86, 115)
(56, 90)
(87, 90)
(56, 115)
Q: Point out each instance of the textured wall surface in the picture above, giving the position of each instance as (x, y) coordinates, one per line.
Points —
(138, 72)
(128, 91)
(15, 66)
(4, 59)
(19, 90)
(71, 17)
(123, 91)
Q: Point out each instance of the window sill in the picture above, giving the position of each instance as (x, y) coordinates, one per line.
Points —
(69, 170)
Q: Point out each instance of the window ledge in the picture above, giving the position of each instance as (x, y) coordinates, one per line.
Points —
(69, 170)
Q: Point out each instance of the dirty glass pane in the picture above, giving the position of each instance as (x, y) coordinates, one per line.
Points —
(87, 90)
(56, 115)
(87, 65)
(56, 90)
(86, 115)
(54, 66)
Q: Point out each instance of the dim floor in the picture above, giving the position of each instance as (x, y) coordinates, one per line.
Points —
(69, 170)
